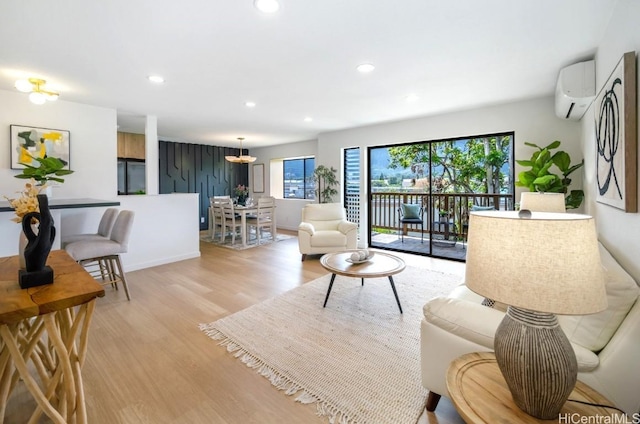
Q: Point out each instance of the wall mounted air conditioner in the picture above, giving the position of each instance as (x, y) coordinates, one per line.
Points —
(575, 90)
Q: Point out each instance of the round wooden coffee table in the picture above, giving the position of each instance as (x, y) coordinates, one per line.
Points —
(380, 265)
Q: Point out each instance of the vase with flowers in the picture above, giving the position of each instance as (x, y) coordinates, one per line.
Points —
(242, 193)
(25, 203)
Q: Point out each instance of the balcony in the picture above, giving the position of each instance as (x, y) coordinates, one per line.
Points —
(445, 218)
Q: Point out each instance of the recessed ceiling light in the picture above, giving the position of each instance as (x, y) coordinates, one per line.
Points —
(267, 6)
(250, 104)
(156, 78)
(365, 68)
(412, 97)
(308, 119)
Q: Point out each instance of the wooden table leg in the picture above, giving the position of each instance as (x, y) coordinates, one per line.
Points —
(58, 362)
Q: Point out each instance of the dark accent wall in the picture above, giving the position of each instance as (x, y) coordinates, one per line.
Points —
(197, 168)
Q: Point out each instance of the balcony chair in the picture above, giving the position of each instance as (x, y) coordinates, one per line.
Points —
(411, 214)
(324, 228)
(104, 229)
(101, 258)
(264, 218)
(606, 344)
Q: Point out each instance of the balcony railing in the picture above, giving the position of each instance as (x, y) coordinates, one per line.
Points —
(445, 214)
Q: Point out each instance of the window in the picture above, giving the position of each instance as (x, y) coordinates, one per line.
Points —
(298, 178)
(352, 183)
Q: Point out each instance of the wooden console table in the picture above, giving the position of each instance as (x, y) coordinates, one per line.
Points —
(481, 395)
(42, 325)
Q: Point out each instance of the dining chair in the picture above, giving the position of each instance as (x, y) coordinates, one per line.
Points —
(215, 213)
(264, 218)
(101, 258)
(229, 220)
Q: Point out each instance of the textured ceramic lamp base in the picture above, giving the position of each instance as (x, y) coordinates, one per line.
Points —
(537, 361)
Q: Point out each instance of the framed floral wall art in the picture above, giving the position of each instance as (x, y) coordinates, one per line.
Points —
(617, 138)
(28, 143)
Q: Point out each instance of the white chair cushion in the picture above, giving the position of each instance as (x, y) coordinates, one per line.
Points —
(326, 225)
(328, 239)
(594, 331)
(88, 249)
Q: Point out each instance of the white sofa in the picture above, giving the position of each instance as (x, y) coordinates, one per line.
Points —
(324, 228)
(607, 344)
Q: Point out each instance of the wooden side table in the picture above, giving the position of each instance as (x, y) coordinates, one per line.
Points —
(42, 325)
(481, 395)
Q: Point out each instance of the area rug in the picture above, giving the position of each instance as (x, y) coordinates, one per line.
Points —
(358, 359)
(204, 236)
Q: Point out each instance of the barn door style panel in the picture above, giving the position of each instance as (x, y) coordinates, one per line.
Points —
(197, 168)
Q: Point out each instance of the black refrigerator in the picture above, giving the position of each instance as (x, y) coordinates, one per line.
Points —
(131, 176)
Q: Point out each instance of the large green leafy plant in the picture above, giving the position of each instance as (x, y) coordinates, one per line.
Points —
(541, 175)
(48, 169)
(326, 179)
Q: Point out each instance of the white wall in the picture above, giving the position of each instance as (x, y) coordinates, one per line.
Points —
(94, 160)
(619, 231)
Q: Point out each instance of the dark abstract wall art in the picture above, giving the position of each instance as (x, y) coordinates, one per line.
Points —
(616, 137)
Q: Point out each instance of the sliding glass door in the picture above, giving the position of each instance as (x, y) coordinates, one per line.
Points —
(420, 194)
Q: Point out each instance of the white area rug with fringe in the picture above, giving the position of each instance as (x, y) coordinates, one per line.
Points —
(358, 359)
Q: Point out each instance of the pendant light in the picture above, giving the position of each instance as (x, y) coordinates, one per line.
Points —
(241, 158)
(35, 86)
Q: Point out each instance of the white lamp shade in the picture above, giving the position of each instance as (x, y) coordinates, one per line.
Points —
(549, 262)
(542, 202)
(24, 85)
(37, 98)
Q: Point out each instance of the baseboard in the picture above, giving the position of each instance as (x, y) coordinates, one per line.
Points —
(148, 264)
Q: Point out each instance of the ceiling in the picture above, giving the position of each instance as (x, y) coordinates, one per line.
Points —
(300, 62)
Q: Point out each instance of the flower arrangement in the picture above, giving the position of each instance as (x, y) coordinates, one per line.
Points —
(241, 190)
(27, 202)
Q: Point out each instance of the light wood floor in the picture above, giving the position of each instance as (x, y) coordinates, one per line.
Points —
(149, 363)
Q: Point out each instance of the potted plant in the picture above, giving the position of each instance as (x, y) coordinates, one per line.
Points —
(48, 169)
(326, 179)
(539, 177)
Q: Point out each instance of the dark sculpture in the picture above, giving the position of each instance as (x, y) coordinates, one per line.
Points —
(37, 273)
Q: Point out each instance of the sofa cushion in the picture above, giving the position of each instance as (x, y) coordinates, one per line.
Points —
(410, 211)
(594, 331)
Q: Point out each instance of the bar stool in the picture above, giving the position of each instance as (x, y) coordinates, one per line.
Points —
(104, 229)
(101, 258)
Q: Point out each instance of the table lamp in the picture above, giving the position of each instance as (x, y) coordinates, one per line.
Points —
(539, 264)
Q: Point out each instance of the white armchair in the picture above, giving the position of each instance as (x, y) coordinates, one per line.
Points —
(324, 228)
(606, 344)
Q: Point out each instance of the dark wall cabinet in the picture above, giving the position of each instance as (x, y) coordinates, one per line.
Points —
(197, 168)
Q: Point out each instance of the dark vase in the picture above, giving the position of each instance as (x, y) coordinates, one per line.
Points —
(38, 246)
(242, 200)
